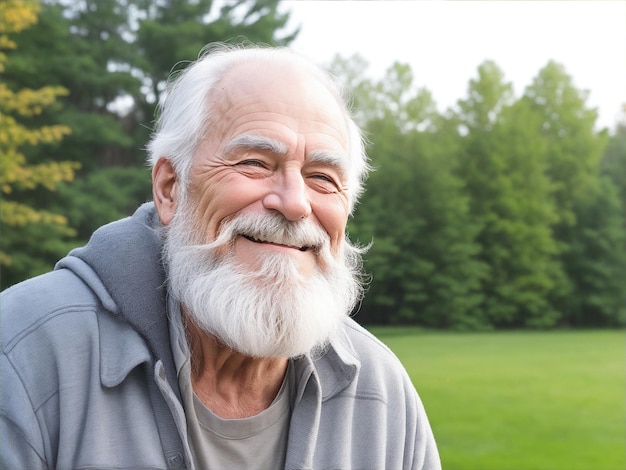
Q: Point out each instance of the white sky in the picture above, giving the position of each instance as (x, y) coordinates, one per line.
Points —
(446, 41)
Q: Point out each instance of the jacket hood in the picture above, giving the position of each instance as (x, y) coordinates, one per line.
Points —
(122, 264)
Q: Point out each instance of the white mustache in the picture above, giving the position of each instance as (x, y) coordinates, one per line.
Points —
(274, 228)
(271, 228)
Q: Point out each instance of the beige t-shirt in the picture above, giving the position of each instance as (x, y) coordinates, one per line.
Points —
(257, 442)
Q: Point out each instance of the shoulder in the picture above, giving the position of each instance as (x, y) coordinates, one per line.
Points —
(59, 345)
(63, 352)
(382, 371)
(55, 328)
(29, 305)
(49, 329)
(60, 312)
(365, 341)
(386, 409)
(372, 353)
(376, 370)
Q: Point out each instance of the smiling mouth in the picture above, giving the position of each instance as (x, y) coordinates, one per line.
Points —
(256, 240)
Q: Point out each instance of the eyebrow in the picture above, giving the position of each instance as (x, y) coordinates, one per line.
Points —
(327, 157)
(255, 142)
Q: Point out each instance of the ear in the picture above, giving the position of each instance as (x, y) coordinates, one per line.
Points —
(164, 189)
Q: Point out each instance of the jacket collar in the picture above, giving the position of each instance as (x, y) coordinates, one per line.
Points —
(334, 369)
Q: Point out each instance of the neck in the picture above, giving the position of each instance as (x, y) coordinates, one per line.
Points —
(230, 384)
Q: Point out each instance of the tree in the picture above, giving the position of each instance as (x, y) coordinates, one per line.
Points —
(613, 164)
(589, 215)
(596, 259)
(77, 47)
(74, 45)
(422, 259)
(17, 174)
(503, 165)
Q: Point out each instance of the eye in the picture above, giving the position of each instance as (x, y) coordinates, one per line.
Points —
(253, 163)
(323, 177)
(324, 183)
(253, 167)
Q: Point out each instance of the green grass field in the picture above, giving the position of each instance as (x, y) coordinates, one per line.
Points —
(520, 400)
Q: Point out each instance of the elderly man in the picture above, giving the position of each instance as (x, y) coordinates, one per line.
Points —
(210, 330)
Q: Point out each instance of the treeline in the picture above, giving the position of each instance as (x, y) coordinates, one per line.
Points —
(503, 212)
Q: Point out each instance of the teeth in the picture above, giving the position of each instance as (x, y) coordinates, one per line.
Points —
(256, 240)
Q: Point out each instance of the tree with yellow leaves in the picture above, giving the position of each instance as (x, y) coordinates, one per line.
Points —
(16, 173)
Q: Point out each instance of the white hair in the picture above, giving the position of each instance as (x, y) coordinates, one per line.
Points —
(186, 113)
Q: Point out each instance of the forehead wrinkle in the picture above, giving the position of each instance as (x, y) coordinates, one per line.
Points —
(255, 142)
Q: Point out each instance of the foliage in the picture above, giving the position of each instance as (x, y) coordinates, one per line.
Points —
(17, 173)
(494, 215)
(503, 165)
(613, 164)
(424, 269)
(519, 400)
(589, 229)
(111, 59)
(106, 195)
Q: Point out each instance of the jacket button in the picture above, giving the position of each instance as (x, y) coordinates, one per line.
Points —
(176, 461)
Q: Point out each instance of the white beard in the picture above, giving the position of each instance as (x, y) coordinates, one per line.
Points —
(275, 311)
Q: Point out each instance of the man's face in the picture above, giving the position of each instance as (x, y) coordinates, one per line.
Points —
(277, 143)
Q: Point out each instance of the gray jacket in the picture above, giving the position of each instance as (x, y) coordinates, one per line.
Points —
(88, 379)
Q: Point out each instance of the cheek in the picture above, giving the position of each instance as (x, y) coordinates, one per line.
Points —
(217, 200)
(333, 216)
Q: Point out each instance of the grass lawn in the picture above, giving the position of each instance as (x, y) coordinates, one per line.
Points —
(520, 400)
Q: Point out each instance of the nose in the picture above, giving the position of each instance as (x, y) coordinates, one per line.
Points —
(289, 196)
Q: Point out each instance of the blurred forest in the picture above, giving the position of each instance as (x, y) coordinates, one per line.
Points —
(503, 212)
